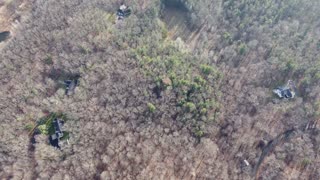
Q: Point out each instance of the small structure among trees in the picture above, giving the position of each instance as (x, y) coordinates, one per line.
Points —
(71, 86)
(123, 12)
(54, 138)
(286, 91)
(51, 125)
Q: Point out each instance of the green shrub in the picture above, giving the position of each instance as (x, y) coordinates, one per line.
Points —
(164, 30)
(43, 129)
(151, 107)
(184, 82)
(242, 25)
(48, 60)
(180, 73)
(194, 87)
(242, 48)
(142, 51)
(29, 127)
(45, 125)
(317, 109)
(200, 80)
(84, 50)
(317, 76)
(203, 111)
(206, 69)
(291, 66)
(181, 102)
(190, 107)
(227, 36)
(305, 162)
(198, 132)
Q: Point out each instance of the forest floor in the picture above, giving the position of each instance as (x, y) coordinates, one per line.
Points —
(120, 128)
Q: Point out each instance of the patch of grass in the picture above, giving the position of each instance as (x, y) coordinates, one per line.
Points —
(29, 127)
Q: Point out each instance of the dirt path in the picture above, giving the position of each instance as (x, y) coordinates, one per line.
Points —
(31, 153)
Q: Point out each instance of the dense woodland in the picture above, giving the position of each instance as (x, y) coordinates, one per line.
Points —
(180, 89)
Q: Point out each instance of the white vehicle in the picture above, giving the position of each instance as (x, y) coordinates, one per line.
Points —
(123, 12)
(285, 92)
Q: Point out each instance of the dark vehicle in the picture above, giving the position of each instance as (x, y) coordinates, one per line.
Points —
(71, 86)
(58, 134)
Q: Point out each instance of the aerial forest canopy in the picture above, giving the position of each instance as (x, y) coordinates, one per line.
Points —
(159, 89)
